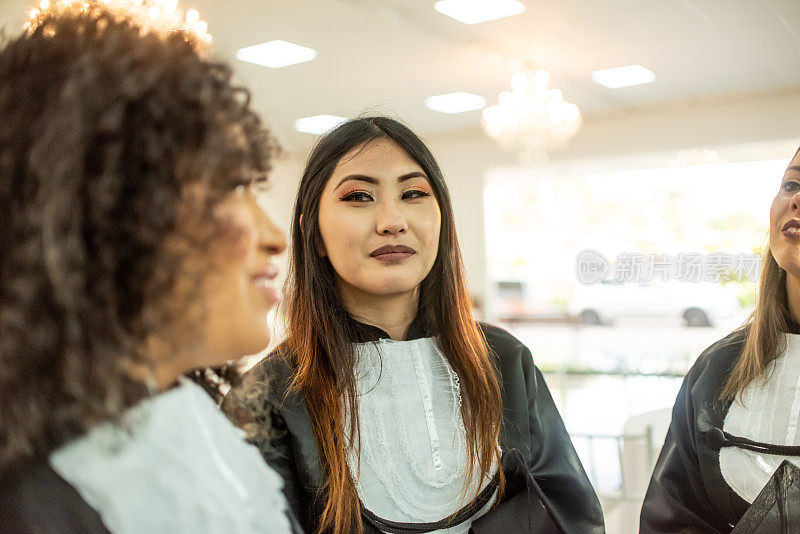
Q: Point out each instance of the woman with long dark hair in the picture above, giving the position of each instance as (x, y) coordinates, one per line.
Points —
(735, 421)
(402, 413)
(132, 251)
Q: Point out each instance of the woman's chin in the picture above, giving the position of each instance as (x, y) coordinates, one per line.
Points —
(244, 343)
(256, 344)
(789, 260)
(390, 286)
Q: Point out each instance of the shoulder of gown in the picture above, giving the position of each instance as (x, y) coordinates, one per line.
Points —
(34, 499)
(533, 426)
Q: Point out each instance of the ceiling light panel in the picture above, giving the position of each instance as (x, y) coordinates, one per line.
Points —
(475, 11)
(624, 76)
(276, 54)
(455, 102)
(318, 124)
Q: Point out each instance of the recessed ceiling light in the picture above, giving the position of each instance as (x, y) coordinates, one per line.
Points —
(475, 11)
(318, 124)
(276, 54)
(623, 76)
(455, 102)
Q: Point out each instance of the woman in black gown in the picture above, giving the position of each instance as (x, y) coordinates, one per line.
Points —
(380, 331)
(736, 416)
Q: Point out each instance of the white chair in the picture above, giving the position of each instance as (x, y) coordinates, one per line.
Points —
(643, 436)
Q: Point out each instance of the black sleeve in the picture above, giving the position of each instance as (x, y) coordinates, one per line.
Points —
(36, 500)
(554, 463)
(676, 500)
(251, 407)
(278, 452)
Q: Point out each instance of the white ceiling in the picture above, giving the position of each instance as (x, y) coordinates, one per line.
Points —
(386, 56)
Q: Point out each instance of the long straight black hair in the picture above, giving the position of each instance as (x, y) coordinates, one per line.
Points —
(318, 336)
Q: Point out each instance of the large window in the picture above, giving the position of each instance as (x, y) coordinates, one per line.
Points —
(538, 222)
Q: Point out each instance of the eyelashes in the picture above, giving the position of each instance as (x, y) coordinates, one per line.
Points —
(358, 196)
(256, 185)
(262, 185)
(417, 193)
(365, 196)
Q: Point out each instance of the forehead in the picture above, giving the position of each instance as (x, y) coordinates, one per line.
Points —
(795, 160)
(793, 170)
(382, 159)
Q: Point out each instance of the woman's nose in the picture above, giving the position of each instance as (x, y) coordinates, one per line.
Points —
(795, 201)
(390, 219)
(270, 238)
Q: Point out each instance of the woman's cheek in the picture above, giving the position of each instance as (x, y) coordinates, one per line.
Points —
(238, 235)
(435, 226)
(774, 216)
(773, 209)
(346, 233)
(345, 248)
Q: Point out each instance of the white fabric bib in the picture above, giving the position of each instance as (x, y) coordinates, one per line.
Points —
(768, 412)
(182, 467)
(413, 441)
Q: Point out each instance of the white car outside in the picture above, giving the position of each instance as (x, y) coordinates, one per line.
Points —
(699, 304)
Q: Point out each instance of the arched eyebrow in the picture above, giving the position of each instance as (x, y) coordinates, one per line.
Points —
(375, 181)
(794, 168)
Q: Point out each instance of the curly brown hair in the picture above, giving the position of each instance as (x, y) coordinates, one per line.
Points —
(103, 129)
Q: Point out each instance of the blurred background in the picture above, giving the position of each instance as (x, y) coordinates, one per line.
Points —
(611, 165)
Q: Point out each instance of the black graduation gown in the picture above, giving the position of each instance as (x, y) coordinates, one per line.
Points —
(34, 499)
(532, 431)
(687, 492)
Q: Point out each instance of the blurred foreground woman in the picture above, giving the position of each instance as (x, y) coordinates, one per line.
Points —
(132, 251)
(731, 452)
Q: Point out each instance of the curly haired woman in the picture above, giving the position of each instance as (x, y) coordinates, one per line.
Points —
(132, 252)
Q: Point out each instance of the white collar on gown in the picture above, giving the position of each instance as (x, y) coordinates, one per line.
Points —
(413, 455)
(174, 464)
(769, 412)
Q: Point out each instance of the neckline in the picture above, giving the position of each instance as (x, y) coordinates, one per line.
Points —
(362, 332)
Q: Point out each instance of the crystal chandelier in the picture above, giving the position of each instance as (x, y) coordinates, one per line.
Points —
(158, 16)
(531, 119)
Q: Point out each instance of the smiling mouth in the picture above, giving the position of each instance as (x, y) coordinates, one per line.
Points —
(791, 229)
(270, 292)
(793, 232)
(264, 280)
(793, 223)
